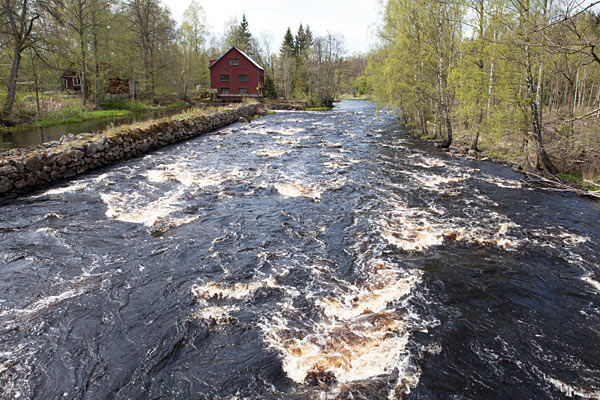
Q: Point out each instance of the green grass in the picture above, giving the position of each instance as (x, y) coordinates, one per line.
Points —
(125, 104)
(318, 109)
(571, 177)
(113, 108)
(270, 112)
(582, 181)
(179, 104)
(67, 115)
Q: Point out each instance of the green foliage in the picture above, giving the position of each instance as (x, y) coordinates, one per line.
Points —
(123, 104)
(361, 86)
(483, 69)
(571, 177)
(288, 45)
(240, 37)
(270, 91)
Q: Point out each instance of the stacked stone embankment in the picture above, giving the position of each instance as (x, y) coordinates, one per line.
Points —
(24, 170)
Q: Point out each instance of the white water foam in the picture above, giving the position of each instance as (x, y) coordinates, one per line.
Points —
(361, 333)
(573, 391)
(296, 189)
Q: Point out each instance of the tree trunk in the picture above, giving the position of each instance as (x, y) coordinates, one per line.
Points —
(535, 119)
(12, 80)
(435, 123)
(96, 72)
(83, 68)
(443, 106)
(533, 97)
(36, 84)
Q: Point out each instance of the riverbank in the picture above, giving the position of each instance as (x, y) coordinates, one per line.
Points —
(24, 170)
(75, 114)
(572, 181)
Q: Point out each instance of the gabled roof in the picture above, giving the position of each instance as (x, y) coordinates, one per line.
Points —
(242, 53)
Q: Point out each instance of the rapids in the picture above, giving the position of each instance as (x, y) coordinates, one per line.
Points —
(304, 255)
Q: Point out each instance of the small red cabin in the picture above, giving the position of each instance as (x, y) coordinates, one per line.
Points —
(235, 74)
(71, 81)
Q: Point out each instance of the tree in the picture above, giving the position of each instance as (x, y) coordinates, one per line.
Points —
(523, 35)
(325, 64)
(100, 17)
(193, 39)
(21, 17)
(287, 64)
(75, 14)
(421, 40)
(300, 42)
(267, 59)
(288, 44)
(239, 36)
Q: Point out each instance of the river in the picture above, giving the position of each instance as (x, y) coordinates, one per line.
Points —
(305, 256)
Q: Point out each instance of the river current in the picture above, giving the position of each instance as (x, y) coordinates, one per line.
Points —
(303, 256)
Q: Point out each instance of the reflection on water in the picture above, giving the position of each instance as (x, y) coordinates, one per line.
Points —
(304, 255)
(35, 136)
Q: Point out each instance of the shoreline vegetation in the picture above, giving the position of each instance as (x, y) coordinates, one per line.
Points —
(518, 82)
(60, 110)
(577, 182)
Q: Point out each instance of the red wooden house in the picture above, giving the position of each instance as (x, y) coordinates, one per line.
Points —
(71, 81)
(235, 74)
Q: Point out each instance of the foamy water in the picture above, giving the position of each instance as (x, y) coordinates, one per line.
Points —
(300, 256)
(356, 338)
(297, 190)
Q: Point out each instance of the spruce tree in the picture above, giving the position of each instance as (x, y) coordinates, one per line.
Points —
(309, 37)
(242, 38)
(300, 47)
(245, 34)
(287, 47)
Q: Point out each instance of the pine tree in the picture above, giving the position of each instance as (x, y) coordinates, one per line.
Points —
(245, 35)
(300, 47)
(287, 64)
(309, 37)
(287, 47)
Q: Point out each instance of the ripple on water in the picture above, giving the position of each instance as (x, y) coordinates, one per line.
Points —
(326, 256)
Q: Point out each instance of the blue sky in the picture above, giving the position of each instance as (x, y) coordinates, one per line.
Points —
(356, 20)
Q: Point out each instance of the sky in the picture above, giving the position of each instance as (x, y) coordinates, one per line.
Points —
(356, 20)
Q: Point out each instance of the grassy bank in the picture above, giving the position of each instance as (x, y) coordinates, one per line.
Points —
(59, 109)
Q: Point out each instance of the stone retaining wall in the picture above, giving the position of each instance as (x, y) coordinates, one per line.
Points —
(23, 170)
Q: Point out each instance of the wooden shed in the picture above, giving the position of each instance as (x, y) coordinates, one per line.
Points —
(235, 74)
(71, 81)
